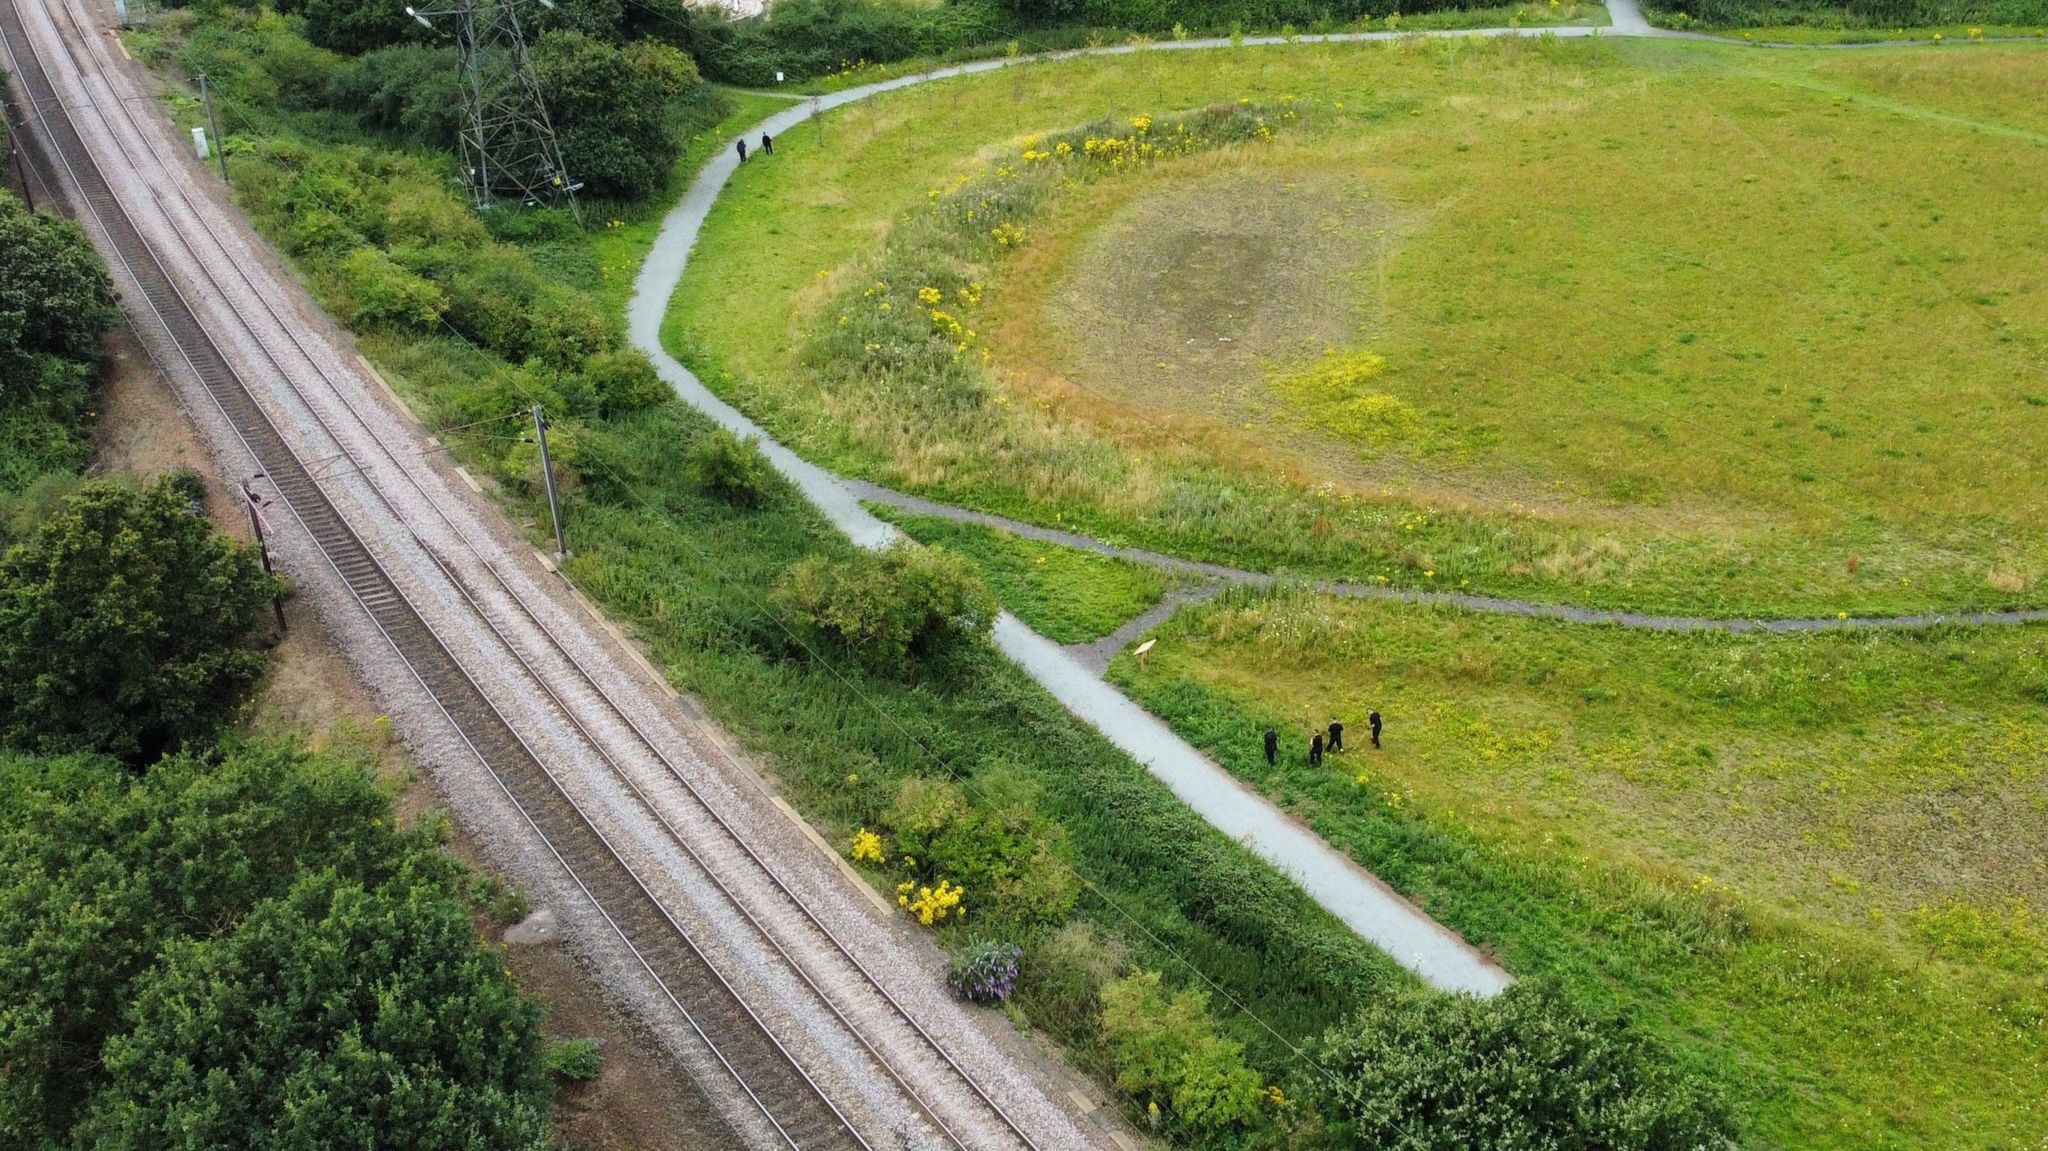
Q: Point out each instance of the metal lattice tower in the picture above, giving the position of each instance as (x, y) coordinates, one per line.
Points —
(508, 144)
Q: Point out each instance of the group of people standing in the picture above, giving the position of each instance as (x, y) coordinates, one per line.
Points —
(1317, 746)
(767, 146)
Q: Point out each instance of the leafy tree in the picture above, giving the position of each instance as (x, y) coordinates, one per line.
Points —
(614, 109)
(124, 621)
(100, 869)
(1524, 1071)
(1169, 1055)
(55, 298)
(356, 26)
(341, 1015)
(892, 609)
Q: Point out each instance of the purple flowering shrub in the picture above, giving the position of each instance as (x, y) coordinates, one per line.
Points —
(985, 972)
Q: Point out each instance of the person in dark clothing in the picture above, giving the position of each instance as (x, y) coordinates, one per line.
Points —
(741, 144)
(1372, 719)
(1272, 747)
(1336, 736)
(1315, 750)
(767, 144)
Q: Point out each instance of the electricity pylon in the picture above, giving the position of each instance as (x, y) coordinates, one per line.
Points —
(508, 143)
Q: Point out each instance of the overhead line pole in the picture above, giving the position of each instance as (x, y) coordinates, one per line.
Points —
(547, 471)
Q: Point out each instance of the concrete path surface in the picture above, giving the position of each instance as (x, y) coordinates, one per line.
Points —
(1352, 894)
(1495, 605)
(1355, 896)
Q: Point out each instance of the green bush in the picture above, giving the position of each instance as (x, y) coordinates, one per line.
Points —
(1524, 1071)
(575, 1059)
(892, 609)
(382, 294)
(338, 1015)
(56, 304)
(1003, 852)
(615, 109)
(356, 26)
(807, 38)
(55, 298)
(1170, 1058)
(101, 872)
(729, 467)
(125, 622)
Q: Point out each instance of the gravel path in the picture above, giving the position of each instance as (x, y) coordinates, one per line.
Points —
(1329, 876)
(1074, 674)
(876, 494)
(645, 767)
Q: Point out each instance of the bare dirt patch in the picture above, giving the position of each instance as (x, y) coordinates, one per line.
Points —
(1184, 297)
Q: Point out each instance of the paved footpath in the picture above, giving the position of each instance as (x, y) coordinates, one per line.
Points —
(1348, 891)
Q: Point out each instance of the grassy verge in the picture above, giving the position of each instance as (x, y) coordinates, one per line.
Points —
(1133, 878)
(619, 240)
(1065, 594)
(1812, 866)
(1643, 449)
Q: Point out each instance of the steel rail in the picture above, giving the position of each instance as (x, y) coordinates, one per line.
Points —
(595, 684)
(390, 609)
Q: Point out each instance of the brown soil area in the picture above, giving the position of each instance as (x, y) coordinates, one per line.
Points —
(640, 1100)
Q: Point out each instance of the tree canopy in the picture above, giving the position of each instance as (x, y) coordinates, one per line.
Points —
(55, 298)
(124, 625)
(614, 109)
(100, 870)
(337, 1016)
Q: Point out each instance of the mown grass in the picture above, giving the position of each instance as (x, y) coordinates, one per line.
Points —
(1813, 861)
(620, 235)
(1669, 352)
(1065, 594)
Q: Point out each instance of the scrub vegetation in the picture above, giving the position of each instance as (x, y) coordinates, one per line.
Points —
(1538, 342)
(1065, 594)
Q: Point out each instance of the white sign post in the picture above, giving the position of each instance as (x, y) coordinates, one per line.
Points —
(199, 143)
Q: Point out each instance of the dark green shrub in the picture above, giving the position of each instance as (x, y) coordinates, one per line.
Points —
(101, 871)
(731, 468)
(356, 26)
(624, 381)
(1169, 1057)
(1524, 1071)
(338, 1015)
(55, 298)
(125, 622)
(892, 609)
(409, 91)
(614, 109)
(575, 1059)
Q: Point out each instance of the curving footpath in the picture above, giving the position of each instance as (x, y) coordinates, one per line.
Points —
(1355, 896)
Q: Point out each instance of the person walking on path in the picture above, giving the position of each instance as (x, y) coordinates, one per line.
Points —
(741, 144)
(1336, 735)
(767, 144)
(1272, 747)
(1372, 720)
(1315, 750)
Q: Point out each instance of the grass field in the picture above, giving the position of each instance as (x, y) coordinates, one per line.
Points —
(1063, 593)
(1666, 326)
(1815, 861)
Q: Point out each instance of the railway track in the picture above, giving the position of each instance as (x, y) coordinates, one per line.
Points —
(794, 1106)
